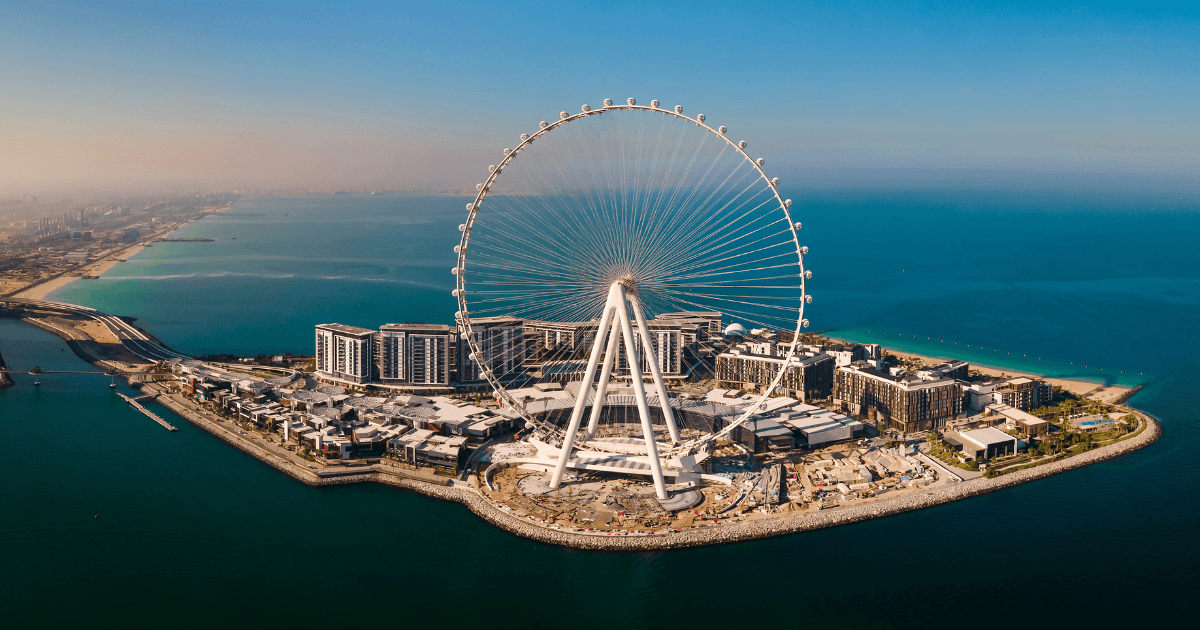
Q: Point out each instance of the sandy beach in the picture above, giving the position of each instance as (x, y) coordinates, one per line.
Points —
(40, 291)
(101, 266)
(1098, 391)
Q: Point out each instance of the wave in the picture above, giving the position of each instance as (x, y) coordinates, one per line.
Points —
(233, 274)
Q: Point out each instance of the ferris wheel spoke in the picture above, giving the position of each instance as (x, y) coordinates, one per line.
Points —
(782, 238)
(649, 197)
(741, 263)
(759, 304)
(583, 230)
(733, 271)
(705, 235)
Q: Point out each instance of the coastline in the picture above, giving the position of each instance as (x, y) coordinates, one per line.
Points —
(482, 506)
(98, 268)
(102, 266)
(1111, 394)
(267, 451)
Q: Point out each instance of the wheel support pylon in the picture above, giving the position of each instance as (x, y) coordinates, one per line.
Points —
(615, 322)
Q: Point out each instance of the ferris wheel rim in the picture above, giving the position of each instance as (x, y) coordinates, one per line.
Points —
(460, 291)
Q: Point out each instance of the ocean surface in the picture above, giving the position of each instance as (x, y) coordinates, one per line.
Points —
(111, 520)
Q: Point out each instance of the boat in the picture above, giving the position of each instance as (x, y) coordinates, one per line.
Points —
(36, 383)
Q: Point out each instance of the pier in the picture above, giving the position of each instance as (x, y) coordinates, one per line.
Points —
(153, 416)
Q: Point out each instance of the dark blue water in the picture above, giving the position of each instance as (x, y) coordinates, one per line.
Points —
(193, 533)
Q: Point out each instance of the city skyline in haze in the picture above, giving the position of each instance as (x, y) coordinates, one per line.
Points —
(116, 98)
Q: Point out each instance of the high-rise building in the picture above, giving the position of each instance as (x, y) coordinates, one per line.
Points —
(501, 348)
(345, 352)
(562, 337)
(709, 322)
(668, 348)
(415, 354)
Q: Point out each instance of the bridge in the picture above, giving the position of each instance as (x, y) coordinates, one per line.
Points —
(153, 416)
(135, 341)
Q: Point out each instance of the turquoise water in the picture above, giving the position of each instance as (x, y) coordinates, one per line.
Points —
(193, 533)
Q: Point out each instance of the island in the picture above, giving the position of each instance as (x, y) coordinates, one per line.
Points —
(800, 465)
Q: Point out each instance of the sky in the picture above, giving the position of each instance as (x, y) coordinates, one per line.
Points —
(116, 97)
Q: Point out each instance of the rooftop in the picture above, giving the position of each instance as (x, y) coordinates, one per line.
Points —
(345, 329)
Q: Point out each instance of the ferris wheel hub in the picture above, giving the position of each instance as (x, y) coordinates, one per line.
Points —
(629, 283)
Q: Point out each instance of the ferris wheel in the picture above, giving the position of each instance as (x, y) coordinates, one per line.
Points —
(635, 243)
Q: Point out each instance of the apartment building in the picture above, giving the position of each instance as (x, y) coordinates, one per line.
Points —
(345, 352)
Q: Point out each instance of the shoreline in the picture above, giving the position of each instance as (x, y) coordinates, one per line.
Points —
(98, 268)
(1101, 391)
(468, 494)
(479, 504)
(102, 266)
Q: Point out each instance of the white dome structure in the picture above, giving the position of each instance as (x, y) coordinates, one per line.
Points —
(735, 329)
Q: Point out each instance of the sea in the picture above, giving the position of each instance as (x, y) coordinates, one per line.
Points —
(110, 520)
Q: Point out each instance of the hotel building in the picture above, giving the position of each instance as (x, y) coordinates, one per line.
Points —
(754, 365)
(904, 404)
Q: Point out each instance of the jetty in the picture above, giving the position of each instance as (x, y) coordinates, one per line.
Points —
(153, 416)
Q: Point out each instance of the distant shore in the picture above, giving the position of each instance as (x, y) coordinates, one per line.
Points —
(100, 267)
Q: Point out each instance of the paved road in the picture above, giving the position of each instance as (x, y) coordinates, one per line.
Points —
(134, 340)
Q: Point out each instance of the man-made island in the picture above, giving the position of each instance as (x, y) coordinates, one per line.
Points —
(851, 443)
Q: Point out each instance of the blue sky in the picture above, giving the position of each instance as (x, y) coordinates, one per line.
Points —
(392, 95)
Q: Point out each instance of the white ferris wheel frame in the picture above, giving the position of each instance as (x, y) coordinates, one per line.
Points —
(473, 208)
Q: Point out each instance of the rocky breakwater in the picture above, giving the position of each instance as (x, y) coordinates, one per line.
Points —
(719, 534)
(5, 379)
(509, 521)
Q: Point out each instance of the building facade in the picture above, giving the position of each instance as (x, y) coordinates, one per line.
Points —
(667, 338)
(1023, 393)
(754, 365)
(415, 354)
(901, 403)
(345, 352)
(501, 349)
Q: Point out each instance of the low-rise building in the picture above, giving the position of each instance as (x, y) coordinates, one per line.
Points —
(424, 448)
(1020, 420)
(983, 444)
(1023, 393)
(818, 426)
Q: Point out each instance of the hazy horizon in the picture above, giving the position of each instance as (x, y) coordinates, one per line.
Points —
(120, 99)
